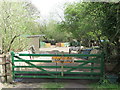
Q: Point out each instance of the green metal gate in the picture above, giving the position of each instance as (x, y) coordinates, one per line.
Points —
(43, 66)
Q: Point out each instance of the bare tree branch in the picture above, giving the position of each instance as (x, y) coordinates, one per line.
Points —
(11, 42)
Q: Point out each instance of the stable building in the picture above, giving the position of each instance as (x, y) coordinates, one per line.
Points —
(34, 42)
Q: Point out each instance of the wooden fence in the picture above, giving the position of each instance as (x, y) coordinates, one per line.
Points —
(5, 68)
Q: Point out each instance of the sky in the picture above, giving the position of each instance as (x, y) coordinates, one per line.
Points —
(50, 8)
(53, 8)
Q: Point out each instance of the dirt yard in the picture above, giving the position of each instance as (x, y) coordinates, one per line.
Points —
(48, 83)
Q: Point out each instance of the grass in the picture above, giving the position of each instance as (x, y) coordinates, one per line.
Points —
(53, 85)
(105, 85)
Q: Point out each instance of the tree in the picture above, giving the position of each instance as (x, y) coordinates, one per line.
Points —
(81, 22)
(111, 29)
(16, 20)
(53, 32)
(96, 20)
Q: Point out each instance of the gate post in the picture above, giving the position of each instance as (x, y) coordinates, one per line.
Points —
(3, 68)
(8, 68)
(12, 57)
(102, 64)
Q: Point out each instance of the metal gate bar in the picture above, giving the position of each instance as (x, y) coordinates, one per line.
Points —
(68, 74)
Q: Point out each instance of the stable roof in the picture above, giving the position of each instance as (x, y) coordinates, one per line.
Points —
(34, 36)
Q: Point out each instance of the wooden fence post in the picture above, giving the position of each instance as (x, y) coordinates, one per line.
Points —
(4, 68)
(0, 66)
(9, 68)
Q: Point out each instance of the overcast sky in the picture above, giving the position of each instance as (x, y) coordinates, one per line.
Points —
(50, 8)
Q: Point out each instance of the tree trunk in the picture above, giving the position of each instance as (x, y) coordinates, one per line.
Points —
(116, 69)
